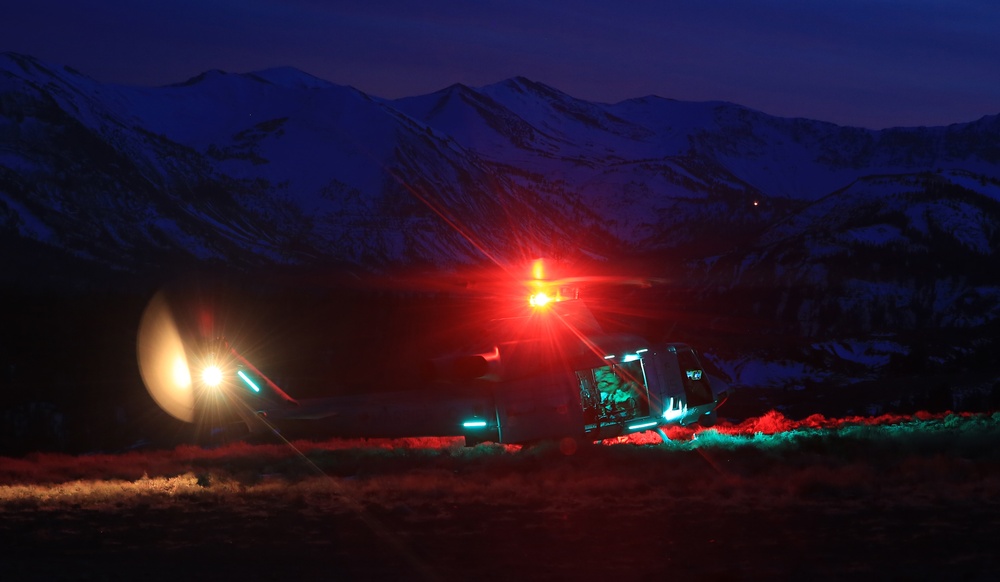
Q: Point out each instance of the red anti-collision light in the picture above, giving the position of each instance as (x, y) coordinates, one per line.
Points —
(540, 299)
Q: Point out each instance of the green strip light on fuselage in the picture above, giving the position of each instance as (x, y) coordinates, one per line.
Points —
(643, 425)
(249, 382)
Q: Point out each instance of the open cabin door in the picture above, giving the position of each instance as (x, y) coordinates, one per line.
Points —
(612, 396)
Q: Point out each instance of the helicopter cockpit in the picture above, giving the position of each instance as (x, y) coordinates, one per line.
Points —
(614, 394)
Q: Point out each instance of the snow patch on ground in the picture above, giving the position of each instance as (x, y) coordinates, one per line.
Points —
(983, 186)
(916, 214)
(186, 241)
(878, 235)
(761, 373)
(30, 225)
(872, 353)
(965, 223)
(859, 291)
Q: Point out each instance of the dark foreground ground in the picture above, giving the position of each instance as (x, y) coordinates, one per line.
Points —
(901, 498)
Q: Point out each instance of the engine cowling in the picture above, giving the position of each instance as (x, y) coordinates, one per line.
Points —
(484, 366)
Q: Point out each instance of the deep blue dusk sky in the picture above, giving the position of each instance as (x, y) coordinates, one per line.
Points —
(870, 63)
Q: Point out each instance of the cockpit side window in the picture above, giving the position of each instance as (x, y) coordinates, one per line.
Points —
(693, 377)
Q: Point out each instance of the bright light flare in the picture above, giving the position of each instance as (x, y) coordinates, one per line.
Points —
(538, 269)
(675, 410)
(540, 299)
(212, 376)
(542, 296)
(163, 362)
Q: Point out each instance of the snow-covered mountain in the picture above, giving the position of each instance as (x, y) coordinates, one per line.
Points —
(790, 226)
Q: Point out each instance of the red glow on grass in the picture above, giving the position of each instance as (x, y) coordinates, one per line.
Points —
(774, 422)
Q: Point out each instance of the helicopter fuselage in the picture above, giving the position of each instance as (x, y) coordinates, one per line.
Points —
(635, 387)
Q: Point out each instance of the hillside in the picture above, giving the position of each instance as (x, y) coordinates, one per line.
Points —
(796, 253)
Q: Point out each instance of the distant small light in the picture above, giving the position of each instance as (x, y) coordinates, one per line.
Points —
(609, 357)
(249, 382)
(630, 358)
(642, 425)
(212, 376)
(642, 350)
(474, 424)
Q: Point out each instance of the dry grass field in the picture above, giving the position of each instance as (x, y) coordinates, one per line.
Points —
(888, 498)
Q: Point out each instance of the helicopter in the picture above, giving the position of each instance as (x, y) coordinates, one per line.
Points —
(546, 371)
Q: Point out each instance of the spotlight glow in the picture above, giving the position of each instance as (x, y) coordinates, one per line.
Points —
(180, 373)
(211, 376)
(163, 362)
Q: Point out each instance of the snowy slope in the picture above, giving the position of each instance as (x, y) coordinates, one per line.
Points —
(347, 172)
